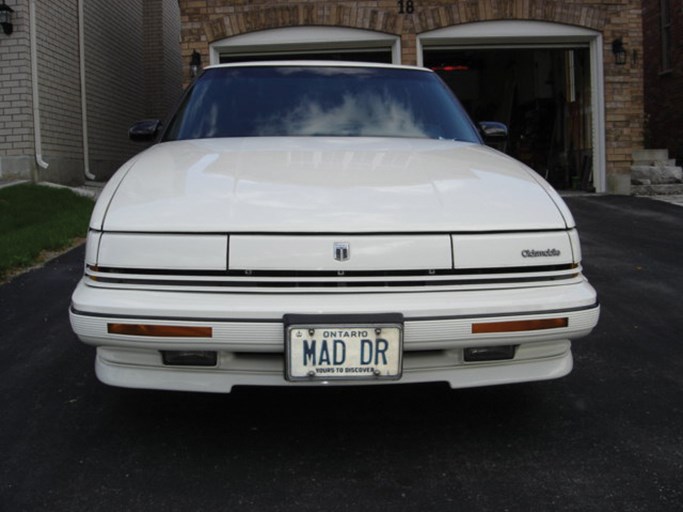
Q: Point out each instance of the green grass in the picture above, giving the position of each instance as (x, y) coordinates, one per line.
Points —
(34, 219)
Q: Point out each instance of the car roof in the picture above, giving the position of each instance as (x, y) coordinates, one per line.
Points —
(318, 63)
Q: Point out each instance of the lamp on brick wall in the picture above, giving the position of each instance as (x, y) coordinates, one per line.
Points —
(619, 52)
(195, 64)
(6, 18)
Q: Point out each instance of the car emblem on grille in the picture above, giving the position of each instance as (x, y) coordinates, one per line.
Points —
(342, 251)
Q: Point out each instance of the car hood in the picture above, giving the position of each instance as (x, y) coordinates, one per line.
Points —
(326, 185)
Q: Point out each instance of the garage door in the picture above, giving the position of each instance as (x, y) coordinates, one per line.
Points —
(308, 43)
(543, 95)
(544, 80)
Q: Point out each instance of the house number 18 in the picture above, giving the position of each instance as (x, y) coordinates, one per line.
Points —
(407, 7)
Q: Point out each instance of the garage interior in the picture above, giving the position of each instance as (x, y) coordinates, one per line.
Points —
(543, 95)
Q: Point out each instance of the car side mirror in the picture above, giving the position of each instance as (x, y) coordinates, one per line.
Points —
(145, 130)
(495, 134)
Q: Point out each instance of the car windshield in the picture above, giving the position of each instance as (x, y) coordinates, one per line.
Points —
(262, 101)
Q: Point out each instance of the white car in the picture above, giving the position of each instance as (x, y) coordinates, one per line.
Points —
(319, 223)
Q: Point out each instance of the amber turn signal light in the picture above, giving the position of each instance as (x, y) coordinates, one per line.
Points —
(168, 331)
(519, 325)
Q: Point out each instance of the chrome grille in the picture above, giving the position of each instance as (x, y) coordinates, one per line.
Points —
(331, 282)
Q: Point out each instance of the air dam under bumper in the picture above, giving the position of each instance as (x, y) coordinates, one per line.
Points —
(248, 334)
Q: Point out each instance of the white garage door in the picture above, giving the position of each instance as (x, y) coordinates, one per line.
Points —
(294, 43)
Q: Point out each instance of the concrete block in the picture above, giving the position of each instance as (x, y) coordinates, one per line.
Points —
(660, 163)
(657, 174)
(16, 167)
(640, 181)
(650, 155)
(657, 190)
(64, 171)
(619, 184)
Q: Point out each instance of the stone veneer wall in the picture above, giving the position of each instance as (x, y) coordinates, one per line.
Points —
(206, 21)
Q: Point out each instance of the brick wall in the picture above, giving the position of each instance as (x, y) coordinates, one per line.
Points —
(663, 87)
(132, 72)
(172, 79)
(116, 64)
(624, 107)
(163, 72)
(153, 36)
(205, 21)
(16, 107)
(115, 72)
(59, 91)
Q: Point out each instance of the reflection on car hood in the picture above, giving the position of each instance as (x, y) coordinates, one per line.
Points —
(328, 185)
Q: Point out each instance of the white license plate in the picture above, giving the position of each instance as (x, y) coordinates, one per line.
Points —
(348, 352)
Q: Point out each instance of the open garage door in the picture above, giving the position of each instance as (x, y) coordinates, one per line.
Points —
(308, 43)
(362, 55)
(544, 97)
(544, 80)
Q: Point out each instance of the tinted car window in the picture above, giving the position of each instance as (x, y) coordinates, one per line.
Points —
(320, 101)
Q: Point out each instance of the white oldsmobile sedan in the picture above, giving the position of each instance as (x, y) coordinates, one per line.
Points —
(322, 223)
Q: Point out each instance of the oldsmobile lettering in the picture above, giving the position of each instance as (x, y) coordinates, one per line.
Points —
(548, 253)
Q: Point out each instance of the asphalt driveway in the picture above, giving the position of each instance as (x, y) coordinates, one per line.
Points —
(609, 437)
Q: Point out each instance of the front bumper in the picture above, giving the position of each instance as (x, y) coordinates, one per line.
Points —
(248, 333)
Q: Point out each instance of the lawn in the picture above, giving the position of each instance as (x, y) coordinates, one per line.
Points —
(35, 219)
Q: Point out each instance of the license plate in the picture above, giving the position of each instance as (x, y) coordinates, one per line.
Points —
(344, 352)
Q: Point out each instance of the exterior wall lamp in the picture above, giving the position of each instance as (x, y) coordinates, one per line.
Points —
(195, 64)
(6, 18)
(619, 52)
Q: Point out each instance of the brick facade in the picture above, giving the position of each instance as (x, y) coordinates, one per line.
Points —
(127, 75)
(16, 106)
(118, 66)
(663, 86)
(59, 89)
(115, 71)
(164, 65)
(206, 21)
